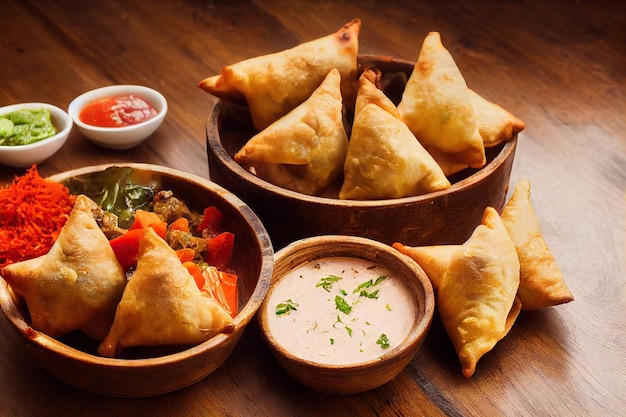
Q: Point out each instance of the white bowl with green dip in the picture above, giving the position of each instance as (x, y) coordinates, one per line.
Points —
(30, 133)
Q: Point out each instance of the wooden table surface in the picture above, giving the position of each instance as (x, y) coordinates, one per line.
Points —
(558, 65)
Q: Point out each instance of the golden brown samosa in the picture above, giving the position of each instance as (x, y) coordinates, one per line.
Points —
(541, 282)
(162, 304)
(434, 259)
(274, 84)
(384, 158)
(436, 105)
(476, 297)
(77, 284)
(370, 92)
(495, 124)
(304, 150)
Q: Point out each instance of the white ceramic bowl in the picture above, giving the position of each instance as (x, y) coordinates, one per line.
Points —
(124, 137)
(35, 153)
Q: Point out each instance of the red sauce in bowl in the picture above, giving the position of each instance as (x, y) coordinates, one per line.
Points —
(117, 111)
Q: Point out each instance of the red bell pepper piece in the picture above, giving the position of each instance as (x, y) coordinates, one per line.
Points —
(181, 224)
(195, 271)
(126, 247)
(229, 285)
(185, 254)
(144, 218)
(220, 249)
(159, 227)
(211, 220)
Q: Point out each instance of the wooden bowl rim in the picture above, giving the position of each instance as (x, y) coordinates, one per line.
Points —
(39, 339)
(337, 245)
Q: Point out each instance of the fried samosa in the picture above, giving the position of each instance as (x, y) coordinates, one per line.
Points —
(434, 260)
(370, 91)
(384, 158)
(77, 284)
(476, 297)
(437, 106)
(495, 124)
(162, 304)
(303, 151)
(274, 84)
(541, 282)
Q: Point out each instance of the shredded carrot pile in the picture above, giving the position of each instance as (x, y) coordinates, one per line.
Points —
(33, 211)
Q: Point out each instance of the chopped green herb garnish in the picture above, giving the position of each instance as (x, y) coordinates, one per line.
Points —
(362, 288)
(327, 282)
(349, 330)
(383, 341)
(380, 279)
(373, 294)
(332, 341)
(388, 307)
(286, 307)
(343, 292)
(362, 285)
(342, 305)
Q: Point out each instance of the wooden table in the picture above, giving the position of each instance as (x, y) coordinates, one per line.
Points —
(560, 66)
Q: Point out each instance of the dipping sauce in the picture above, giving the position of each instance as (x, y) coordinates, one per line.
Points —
(340, 310)
(118, 111)
(26, 126)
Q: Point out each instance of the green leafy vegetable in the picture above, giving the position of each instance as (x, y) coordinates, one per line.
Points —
(119, 190)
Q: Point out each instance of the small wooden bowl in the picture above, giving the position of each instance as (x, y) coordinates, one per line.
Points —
(443, 217)
(362, 376)
(73, 359)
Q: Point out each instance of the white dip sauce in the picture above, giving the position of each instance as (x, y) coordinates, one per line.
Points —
(304, 316)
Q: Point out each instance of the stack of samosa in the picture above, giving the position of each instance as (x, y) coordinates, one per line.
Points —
(440, 126)
(482, 284)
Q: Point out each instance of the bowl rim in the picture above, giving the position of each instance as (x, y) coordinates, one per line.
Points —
(327, 244)
(215, 143)
(245, 315)
(157, 99)
(55, 113)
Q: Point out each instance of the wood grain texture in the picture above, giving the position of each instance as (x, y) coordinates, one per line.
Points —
(560, 66)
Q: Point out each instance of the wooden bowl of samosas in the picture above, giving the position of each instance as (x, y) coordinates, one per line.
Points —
(446, 216)
(143, 371)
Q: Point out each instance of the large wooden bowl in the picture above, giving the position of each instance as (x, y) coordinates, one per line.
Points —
(73, 359)
(444, 217)
(359, 376)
